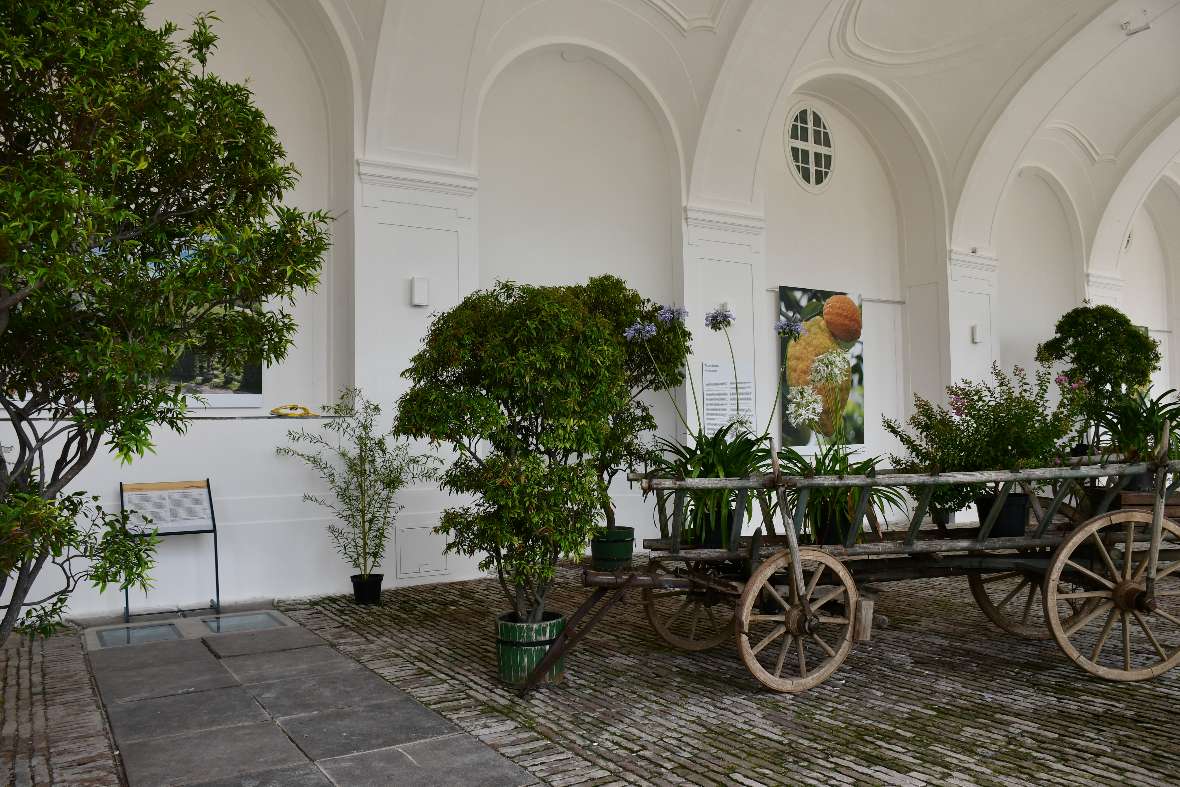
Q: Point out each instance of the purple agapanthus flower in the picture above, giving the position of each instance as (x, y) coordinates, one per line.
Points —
(670, 314)
(640, 332)
(789, 328)
(719, 318)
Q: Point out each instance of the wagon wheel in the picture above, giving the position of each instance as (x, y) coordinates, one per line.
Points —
(695, 618)
(1013, 601)
(1108, 556)
(784, 649)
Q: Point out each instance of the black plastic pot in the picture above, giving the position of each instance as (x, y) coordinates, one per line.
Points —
(1142, 482)
(613, 549)
(367, 590)
(940, 516)
(1013, 519)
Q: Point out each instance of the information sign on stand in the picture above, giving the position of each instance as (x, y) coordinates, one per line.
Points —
(172, 508)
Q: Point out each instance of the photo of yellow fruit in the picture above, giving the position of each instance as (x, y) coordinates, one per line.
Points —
(828, 357)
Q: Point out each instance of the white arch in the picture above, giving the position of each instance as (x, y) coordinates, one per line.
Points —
(612, 60)
(1141, 176)
(1072, 215)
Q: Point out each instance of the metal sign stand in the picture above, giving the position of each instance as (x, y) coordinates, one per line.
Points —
(177, 509)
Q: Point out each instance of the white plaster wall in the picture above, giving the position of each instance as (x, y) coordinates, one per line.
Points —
(1144, 298)
(1039, 269)
(842, 238)
(577, 179)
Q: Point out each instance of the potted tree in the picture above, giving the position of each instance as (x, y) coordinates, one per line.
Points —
(934, 440)
(521, 382)
(364, 469)
(1104, 358)
(655, 364)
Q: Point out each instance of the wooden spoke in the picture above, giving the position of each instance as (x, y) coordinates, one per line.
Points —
(1028, 605)
(1147, 632)
(1082, 621)
(1083, 570)
(1128, 561)
(1163, 571)
(771, 637)
(1001, 577)
(827, 648)
(782, 656)
(1108, 543)
(1106, 558)
(830, 596)
(796, 665)
(1023, 584)
(1126, 640)
(1102, 637)
(696, 618)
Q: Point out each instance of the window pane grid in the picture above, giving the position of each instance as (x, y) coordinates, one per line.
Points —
(810, 143)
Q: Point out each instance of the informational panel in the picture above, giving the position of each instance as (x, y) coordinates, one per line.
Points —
(726, 398)
(169, 507)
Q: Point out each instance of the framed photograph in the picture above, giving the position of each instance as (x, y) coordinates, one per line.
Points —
(832, 324)
(201, 376)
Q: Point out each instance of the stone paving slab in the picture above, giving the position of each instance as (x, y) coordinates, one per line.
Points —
(301, 663)
(346, 689)
(266, 641)
(335, 733)
(182, 713)
(938, 697)
(125, 658)
(208, 754)
(449, 761)
(176, 677)
(293, 776)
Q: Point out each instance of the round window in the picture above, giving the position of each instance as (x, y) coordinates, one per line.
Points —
(809, 148)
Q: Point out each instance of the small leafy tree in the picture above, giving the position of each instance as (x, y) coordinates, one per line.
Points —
(656, 364)
(1105, 356)
(521, 382)
(365, 469)
(141, 216)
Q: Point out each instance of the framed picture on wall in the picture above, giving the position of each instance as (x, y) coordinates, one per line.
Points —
(216, 386)
(832, 323)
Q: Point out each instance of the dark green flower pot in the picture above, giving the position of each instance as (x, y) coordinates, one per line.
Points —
(612, 550)
(521, 646)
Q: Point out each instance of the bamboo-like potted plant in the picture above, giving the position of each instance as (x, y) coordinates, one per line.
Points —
(655, 364)
(521, 383)
(364, 468)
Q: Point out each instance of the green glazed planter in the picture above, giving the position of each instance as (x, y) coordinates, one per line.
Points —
(521, 646)
(612, 550)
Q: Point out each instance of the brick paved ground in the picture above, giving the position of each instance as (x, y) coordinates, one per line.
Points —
(51, 728)
(940, 697)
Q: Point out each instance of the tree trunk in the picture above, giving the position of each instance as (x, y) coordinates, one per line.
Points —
(20, 591)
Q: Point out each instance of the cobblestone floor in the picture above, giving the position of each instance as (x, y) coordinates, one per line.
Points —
(940, 697)
(51, 728)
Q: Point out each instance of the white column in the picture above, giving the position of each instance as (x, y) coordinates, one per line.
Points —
(724, 263)
(972, 280)
(411, 222)
(1104, 288)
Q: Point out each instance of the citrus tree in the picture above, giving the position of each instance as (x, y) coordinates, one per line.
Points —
(141, 215)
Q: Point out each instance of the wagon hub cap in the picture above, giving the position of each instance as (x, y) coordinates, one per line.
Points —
(1130, 596)
(798, 623)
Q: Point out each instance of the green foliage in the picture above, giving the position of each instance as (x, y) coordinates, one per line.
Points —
(521, 382)
(1008, 424)
(730, 452)
(1104, 352)
(1135, 424)
(656, 364)
(830, 511)
(141, 215)
(936, 441)
(75, 534)
(365, 469)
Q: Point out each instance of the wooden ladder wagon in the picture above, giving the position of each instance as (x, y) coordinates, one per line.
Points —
(1104, 585)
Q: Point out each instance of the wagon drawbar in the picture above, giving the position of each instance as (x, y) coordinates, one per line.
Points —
(1100, 576)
